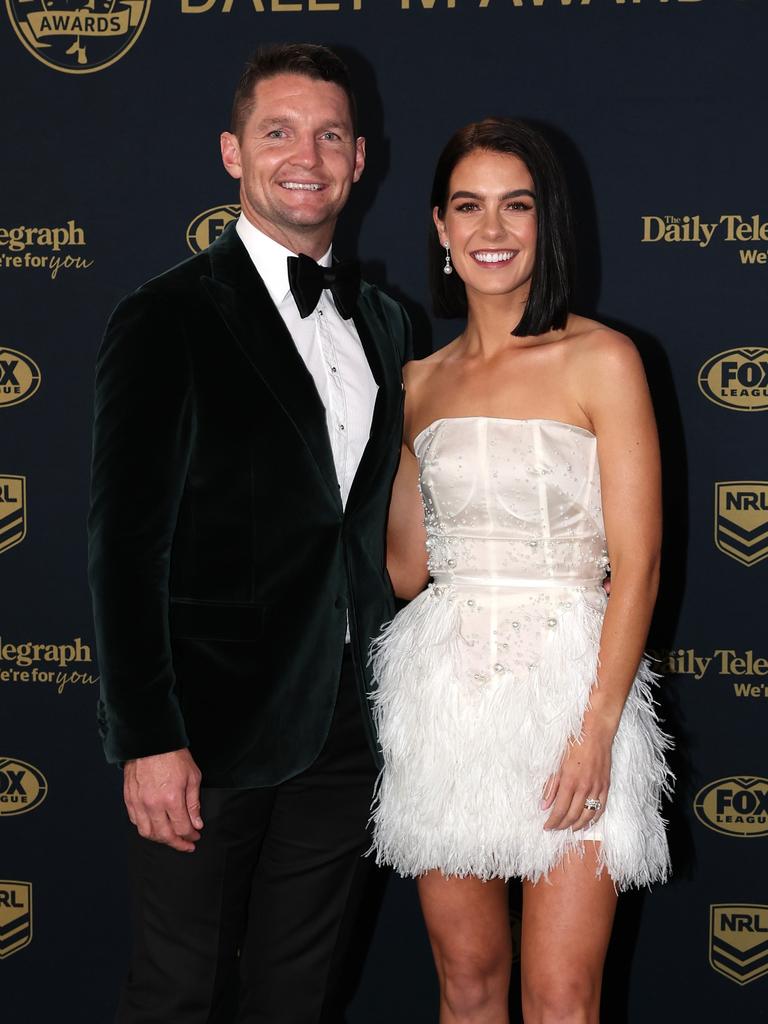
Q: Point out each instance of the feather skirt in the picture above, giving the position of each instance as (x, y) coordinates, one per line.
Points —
(467, 751)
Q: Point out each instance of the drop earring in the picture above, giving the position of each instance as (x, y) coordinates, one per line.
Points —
(448, 268)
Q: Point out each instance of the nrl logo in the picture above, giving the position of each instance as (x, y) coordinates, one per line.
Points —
(78, 36)
(738, 940)
(15, 917)
(13, 511)
(207, 226)
(741, 520)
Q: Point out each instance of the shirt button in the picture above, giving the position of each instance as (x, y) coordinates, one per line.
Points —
(341, 426)
(319, 312)
(333, 369)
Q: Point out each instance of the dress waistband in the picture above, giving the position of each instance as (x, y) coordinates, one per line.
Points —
(553, 582)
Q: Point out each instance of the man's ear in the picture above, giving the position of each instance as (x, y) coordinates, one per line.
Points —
(230, 154)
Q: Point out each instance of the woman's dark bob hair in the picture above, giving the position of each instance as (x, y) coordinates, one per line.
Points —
(551, 281)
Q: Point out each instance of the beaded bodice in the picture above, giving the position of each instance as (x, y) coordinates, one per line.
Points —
(511, 499)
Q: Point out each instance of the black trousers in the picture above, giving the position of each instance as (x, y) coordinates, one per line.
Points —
(252, 926)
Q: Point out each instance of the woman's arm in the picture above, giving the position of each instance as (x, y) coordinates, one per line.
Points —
(406, 535)
(617, 401)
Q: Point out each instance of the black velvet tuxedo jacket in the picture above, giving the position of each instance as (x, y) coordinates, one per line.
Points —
(222, 564)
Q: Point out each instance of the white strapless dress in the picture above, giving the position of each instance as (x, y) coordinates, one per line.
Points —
(483, 679)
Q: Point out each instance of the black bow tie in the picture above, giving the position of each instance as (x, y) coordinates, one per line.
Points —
(308, 279)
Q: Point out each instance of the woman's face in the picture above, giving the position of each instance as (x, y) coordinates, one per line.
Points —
(490, 223)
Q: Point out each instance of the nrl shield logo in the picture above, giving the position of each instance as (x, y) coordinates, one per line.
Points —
(741, 520)
(78, 36)
(15, 917)
(738, 940)
(207, 226)
(13, 511)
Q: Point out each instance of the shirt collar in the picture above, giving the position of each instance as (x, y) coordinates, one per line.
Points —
(270, 258)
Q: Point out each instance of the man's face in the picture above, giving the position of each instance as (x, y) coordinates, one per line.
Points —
(296, 158)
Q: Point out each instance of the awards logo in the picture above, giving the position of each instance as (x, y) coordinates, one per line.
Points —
(738, 940)
(207, 226)
(13, 511)
(19, 377)
(78, 36)
(734, 806)
(737, 379)
(22, 787)
(741, 520)
(15, 917)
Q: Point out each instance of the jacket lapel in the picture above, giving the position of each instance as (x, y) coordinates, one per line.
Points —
(244, 304)
(381, 355)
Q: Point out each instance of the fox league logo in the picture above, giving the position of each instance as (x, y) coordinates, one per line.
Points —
(737, 379)
(208, 225)
(734, 806)
(22, 787)
(19, 377)
(78, 36)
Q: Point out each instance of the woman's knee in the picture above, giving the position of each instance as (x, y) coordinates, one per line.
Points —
(474, 979)
(562, 998)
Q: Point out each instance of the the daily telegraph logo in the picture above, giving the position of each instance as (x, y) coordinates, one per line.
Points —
(78, 36)
(741, 520)
(13, 511)
(59, 665)
(695, 230)
(15, 917)
(207, 226)
(19, 377)
(734, 806)
(738, 940)
(22, 787)
(31, 248)
(737, 379)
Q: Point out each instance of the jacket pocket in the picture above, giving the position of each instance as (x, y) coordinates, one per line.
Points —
(216, 620)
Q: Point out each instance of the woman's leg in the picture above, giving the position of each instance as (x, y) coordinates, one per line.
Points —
(468, 925)
(567, 921)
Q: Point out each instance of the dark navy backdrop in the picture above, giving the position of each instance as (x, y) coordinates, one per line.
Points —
(658, 109)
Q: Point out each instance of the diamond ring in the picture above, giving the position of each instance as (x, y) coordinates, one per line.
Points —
(592, 805)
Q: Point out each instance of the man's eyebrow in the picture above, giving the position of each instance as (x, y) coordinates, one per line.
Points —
(507, 195)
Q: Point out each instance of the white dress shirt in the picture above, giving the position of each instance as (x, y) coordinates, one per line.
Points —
(331, 350)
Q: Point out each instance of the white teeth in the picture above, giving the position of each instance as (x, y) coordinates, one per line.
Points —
(492, 257)
(303, 186)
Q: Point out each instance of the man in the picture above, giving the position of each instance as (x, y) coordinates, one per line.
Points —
(247, 429)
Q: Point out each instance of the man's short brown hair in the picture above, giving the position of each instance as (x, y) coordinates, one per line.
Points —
(306, 59)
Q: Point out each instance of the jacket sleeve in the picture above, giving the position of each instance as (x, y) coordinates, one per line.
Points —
(143, 422)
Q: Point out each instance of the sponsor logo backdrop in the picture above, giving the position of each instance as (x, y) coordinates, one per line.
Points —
(111, 173)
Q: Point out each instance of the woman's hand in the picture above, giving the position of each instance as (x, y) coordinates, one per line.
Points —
(584, 774)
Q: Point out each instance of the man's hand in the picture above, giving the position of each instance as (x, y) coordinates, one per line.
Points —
(162, 795)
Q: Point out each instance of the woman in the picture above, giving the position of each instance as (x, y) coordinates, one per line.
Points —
(513, 701)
